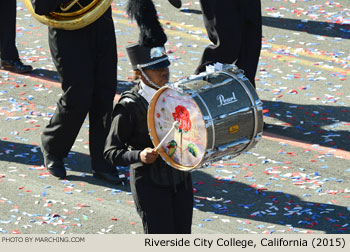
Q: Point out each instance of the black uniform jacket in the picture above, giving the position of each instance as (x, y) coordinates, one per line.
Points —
(129, 136)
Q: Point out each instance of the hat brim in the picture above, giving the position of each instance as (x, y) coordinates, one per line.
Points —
(162, 64)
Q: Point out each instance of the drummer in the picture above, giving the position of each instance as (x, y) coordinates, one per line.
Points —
(163, 195)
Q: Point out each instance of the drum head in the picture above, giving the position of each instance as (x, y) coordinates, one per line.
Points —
(185, 147)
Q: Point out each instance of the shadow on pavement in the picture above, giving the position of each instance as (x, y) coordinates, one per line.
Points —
(247, 203)
(311, 27)
(31, 156)
(192, 11)
(307, 123)
(44, 74)
(238, 199)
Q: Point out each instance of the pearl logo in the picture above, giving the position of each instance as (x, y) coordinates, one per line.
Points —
(225, 101)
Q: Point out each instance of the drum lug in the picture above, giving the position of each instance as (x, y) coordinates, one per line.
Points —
(189, 92)
(209, 153)
(258, 137)
(229, 145)
(206, 118)
(242, 77)
(229, 67)
(240, 73)
(206, 87)
(208, 123)
(228, 157)
(223, 148)
(206, 164)
(222, 116)
(177, 87)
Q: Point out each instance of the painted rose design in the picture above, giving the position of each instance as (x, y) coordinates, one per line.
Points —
(182, 115)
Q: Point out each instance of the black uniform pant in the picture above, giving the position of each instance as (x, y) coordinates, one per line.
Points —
(163, 210)
(8, 50)
(235, 29)
(86, 61)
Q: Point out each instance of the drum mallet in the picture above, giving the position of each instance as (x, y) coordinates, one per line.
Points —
(175, 125)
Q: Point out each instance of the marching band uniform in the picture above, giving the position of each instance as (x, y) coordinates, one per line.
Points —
(235, 29)
(86, 62)
(163, 195)
(8, 51)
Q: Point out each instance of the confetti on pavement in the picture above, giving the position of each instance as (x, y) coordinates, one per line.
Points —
(277, 187)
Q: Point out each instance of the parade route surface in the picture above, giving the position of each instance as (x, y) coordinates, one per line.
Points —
(296, 180)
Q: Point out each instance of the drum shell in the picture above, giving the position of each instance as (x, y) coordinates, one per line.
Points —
(232, 112)
(230, 116)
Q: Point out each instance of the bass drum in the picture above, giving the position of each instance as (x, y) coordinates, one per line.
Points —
(219, 114)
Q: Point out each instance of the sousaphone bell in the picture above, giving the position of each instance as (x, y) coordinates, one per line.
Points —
(73, 14)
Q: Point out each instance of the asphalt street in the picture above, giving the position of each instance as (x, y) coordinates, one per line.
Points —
(295, 180)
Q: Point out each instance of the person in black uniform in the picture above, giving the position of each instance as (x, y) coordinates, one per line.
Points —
(163, 195)
(8, 51)
(235, 29)
(86, 62)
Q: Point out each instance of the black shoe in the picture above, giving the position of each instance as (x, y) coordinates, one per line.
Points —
(54, 165)
(15, 66)
(111, 177)
(176, 3)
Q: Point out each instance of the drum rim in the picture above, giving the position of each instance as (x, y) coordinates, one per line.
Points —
(154, 137)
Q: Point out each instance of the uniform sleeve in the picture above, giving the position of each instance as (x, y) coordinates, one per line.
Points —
(43, 7)
(116, 151)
